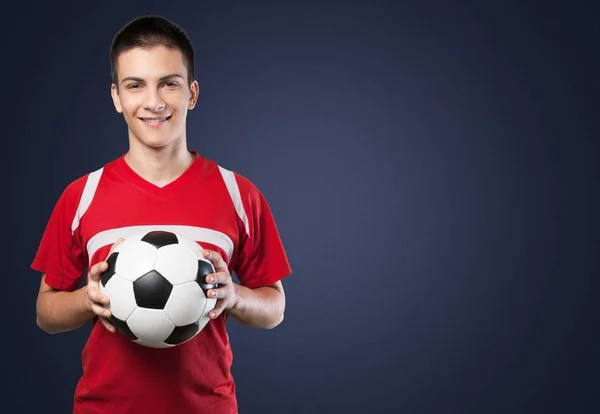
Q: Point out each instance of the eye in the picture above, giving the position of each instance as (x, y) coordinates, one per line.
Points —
(134, 86)
(171, 84)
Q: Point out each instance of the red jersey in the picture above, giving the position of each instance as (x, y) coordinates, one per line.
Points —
(219, 209)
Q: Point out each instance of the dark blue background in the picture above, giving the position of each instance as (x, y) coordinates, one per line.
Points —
(432, 169)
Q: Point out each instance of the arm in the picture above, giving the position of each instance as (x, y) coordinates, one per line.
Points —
(59, 311)
(62, 311)
(262, 307)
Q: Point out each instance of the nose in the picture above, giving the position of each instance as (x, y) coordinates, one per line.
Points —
(154, 102)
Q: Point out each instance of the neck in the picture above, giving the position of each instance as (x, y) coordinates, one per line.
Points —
(160, 166)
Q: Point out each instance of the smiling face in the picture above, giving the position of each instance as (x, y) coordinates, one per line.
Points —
(154, 96)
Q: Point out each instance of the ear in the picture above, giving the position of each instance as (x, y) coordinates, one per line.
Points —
(115, 97)
(194, 92)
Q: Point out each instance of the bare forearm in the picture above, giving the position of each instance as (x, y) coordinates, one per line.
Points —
(259, 308)
(62, 311)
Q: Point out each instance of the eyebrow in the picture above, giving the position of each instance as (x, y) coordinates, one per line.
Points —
(163, 78)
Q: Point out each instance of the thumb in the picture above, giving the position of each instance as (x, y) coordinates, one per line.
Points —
(114, 246)
(96, 270)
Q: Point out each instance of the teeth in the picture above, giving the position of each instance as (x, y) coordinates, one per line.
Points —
(154, 119)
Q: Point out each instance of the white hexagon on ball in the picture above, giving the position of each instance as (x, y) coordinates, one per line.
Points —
(153, 344)
(150, 325)
(136, 258)
(120, 294)
(195, 248)
(176, 263)
(186, 304)
(204, 319)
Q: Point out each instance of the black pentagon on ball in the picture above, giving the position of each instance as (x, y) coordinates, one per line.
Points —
(160, 239)
(204, 269)
(152, 290)
(182, 333)
(108, 273)
(122, 327)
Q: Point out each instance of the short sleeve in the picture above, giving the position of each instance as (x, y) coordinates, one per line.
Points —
(261, 258)
(59, 255)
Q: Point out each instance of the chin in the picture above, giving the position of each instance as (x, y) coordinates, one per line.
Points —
(157, 139)
(159, 144)
(151, 142)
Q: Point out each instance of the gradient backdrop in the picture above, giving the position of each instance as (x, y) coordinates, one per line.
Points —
(432, 169)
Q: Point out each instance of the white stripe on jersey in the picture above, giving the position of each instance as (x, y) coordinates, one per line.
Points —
(234, 192)
(87, 196)
(197, 234)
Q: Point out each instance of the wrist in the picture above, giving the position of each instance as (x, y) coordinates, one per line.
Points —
(84, 297)
(237, 297)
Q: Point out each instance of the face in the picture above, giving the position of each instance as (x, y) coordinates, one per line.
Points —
(154, 95)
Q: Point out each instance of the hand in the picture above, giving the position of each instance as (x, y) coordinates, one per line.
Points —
(226, 292)
(96, 301)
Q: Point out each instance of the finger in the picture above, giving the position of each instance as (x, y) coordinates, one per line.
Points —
(96, 270)
(216, 259)
(107, 325)
(98, 298)
(218, 293)
(95, 295)
(101, 311)
(115, 244)
(218, 310)
(219, 278)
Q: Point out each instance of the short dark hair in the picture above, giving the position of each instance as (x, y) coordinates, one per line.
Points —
(147, 32)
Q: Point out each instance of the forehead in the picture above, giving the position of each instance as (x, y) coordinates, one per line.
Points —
(150, 63)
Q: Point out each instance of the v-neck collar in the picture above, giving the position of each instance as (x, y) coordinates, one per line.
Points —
(186, 178)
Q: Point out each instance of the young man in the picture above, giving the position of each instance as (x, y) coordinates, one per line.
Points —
(158, 183)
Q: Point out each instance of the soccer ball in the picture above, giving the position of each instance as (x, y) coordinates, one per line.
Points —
(156, 285)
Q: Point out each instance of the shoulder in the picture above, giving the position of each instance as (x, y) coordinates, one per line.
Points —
(79, 184)
(235, 181)
(239, 184)
(83, 185)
